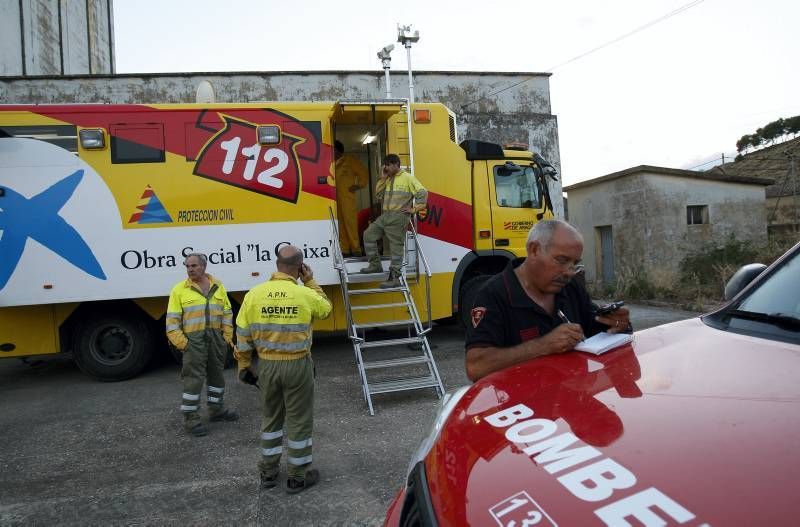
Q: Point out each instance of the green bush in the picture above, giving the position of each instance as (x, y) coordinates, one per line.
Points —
(702, 275)
(702, 267)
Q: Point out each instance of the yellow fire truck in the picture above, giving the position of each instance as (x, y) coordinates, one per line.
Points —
(99, 204)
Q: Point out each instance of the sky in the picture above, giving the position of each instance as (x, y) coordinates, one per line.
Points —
(677, 93)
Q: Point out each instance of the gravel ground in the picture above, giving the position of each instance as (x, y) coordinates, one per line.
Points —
(80, 452)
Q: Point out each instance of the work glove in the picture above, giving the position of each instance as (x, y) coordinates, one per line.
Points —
(248, 377)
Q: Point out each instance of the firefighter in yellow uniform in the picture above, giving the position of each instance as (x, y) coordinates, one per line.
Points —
(275, 321)
(200, 324)
(401, 196)
(351, 175)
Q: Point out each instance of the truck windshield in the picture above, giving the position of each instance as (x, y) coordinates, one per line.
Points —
(516, 187)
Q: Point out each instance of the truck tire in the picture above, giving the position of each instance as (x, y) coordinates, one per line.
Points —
(112, 346)
(469, 291)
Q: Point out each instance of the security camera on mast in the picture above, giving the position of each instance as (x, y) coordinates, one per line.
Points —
(406, 38)
(385, 54)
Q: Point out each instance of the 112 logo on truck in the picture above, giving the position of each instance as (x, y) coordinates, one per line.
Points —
(229, 157)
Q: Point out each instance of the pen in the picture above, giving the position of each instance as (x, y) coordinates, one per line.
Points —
(564, 318)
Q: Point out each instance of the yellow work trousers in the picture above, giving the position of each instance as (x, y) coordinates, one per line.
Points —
(347, 210)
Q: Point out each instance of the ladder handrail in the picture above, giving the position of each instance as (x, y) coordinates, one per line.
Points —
(428, 272)
(338, 257)
(338, 264)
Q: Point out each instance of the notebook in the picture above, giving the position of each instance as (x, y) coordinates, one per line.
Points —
(602, 342)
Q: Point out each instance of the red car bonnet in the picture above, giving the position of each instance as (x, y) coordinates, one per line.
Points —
(687, 424)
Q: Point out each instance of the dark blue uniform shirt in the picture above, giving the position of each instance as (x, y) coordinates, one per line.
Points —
(504, 315)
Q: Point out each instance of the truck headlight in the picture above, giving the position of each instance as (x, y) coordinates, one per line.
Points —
(269, 135)
(92, 138)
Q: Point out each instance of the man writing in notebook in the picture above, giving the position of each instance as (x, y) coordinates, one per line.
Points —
(534, 308)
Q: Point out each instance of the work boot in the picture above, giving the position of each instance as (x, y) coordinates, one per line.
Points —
(391, 282)
(268, 481)
(371, 268)
(294, 485)
(224, 415)
(198, 430)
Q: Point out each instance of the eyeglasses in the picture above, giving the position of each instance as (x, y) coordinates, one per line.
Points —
(565, 263)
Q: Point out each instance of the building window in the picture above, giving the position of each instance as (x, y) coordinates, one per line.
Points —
(696, 214)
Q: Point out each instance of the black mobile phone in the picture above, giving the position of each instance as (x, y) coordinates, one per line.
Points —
(608, 308)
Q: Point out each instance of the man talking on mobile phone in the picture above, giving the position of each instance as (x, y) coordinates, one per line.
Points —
(535, 308)
(275, 321)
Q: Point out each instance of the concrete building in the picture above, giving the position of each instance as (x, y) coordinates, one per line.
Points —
(56, 37)
(647, 218)
(520, 114)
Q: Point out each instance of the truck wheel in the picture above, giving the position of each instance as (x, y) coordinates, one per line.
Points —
(112, 347)
(469, 290)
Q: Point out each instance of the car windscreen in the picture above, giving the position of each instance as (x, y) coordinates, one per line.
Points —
(771, 309)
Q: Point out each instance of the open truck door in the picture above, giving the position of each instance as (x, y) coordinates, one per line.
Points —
(366, 128)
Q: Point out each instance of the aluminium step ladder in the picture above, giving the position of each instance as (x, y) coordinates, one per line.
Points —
(387, 364)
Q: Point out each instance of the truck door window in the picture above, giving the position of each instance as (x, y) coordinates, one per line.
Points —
(515, 186)
(64, 136)
(137, 143)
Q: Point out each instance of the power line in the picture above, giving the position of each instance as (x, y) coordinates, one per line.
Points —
(631, 33)
(596, 48)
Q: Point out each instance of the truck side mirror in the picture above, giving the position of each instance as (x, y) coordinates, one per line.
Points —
(547, 169)
(741, 278)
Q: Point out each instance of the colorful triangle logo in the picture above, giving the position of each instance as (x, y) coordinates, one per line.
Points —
(150, 209)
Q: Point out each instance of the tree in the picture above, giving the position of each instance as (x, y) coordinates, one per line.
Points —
(743, 143)
(792, 125)
(768, 134)
(773, 131)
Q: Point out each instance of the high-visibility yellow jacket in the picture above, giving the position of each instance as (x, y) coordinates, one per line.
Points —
(400, 192)
(275, 319)
(190, 311)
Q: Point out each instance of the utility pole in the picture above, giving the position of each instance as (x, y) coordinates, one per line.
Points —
(793, 175)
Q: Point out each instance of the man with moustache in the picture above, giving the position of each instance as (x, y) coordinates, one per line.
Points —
(534, 308)
(199, 323)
